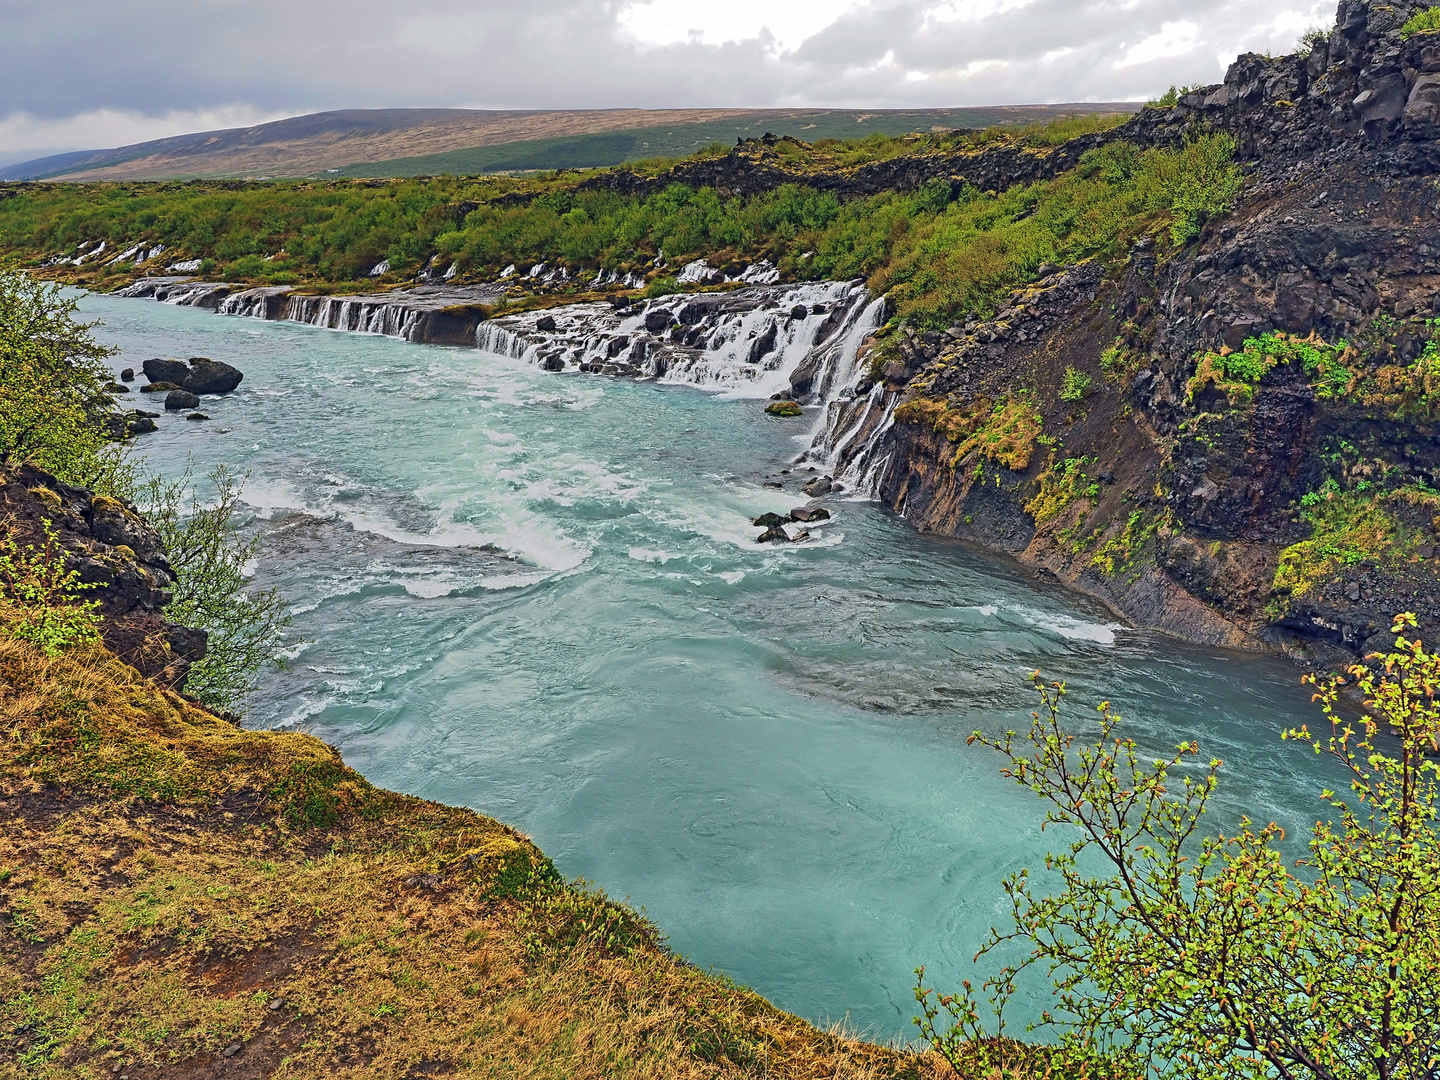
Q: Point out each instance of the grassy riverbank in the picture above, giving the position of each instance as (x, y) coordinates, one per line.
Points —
(179, 893)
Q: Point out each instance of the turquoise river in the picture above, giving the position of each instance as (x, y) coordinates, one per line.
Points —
(539, 595)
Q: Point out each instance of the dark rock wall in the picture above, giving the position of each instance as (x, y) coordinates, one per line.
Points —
(120, 555)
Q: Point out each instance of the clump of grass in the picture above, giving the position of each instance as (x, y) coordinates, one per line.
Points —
(783, 408)
(1075, 385)
(1236, 374)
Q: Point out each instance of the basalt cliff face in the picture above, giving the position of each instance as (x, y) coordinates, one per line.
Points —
(1096, 429)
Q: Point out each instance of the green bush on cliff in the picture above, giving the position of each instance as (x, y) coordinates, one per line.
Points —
(1207, 956)
(1426, 21)
(53, 399)
(1237, 373)
(245, 625)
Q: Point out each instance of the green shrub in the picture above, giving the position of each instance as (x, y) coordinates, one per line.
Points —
(783, 408)
(1422, 22)
(53, 400)
(1075, 385)
(663, 286)
(211, 592)
(1207, 956)
(52, 616)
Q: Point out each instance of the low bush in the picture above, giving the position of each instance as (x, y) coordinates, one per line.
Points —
(1184, 954)
(49, 612)
(1425, 21)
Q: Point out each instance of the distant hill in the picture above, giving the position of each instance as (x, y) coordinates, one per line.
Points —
(411, 142)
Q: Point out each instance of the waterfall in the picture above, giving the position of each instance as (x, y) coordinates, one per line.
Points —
(795, 341)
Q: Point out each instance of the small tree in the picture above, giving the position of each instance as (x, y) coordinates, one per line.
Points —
(54, 405)
(209, 557)
(1209, 956)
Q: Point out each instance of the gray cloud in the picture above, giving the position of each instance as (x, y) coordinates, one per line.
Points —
(126, 68)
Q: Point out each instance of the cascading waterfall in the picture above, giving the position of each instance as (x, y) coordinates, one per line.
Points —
(800, 341)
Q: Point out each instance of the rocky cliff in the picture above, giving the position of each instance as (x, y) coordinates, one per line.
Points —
(119, 556)
(1236, 441)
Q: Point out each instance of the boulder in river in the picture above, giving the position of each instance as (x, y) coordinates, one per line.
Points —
(769, 521)
(200, 375)
(552, 363)
(118, 388)
(773, 534)
(128, 375)
(808, 514)
(166, 371)
(783, 408)
(176, 400)
(160, 387)
(211, 377)
(546, 324)
(817, 486)
(196, 416)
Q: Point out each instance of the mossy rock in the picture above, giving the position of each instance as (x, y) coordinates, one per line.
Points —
(783, 408)
(48, 497)
(104, 504)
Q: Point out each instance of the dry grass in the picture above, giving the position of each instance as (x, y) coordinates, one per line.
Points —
(172, 885)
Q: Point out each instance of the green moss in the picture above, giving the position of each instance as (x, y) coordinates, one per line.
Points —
(1347, 528)
(1119, 551)
(1060, 485)
(783, 408)
(1005, 431)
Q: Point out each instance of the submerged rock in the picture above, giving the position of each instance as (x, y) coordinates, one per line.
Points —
(196, 416)
(773, 534)
(160, 387)
(817, 486)
(769, 521)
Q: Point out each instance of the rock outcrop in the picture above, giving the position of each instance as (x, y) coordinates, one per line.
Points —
(120, 556)
(1227, 514)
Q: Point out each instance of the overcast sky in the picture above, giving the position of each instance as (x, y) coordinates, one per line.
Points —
(91, 74)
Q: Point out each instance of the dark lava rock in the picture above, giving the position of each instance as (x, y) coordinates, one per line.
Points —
(196, 416)
(807, 514)
(819, 485)
(545, 323)
(552, 363)
(176, 400)
(773, 534)
(166, 371)
(160, 387)
(658, 320)
(211, 377)
(117, 553)
(127, 375)
(118, 388)
(769, 521)
(140, 424)
(799, 311)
